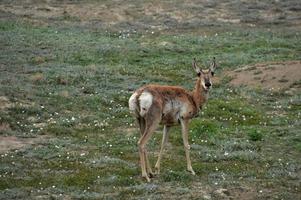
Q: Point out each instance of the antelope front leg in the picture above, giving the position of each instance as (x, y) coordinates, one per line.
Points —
(184, 124)
(164, 140)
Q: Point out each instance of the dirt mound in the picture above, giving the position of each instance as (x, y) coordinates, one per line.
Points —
(273, 76)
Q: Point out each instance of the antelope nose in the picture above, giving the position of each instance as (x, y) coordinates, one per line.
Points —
(207, 84)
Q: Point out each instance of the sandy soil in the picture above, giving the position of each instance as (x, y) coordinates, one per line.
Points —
(273, 76)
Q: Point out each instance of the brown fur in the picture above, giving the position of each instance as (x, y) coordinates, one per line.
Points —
(169, 105)
(164, 94)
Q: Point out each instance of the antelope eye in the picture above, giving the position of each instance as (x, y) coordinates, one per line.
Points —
(212, 73)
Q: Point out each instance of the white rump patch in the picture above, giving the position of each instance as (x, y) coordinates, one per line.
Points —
(146, 100)
(133, 102)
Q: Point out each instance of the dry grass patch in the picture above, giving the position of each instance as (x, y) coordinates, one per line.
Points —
(8, 143)
(37, 77)
(4, 103)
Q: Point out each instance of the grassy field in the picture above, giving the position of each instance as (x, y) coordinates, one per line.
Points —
(66, 75)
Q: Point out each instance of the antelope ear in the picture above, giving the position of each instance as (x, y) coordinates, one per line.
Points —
(196, 68)
(213, 66)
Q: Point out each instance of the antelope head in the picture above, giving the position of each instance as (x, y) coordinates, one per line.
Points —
(205, 75)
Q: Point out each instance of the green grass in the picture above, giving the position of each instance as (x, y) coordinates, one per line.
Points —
(72, 84)
(255, 135)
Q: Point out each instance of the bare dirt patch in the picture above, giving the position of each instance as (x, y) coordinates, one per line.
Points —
(242, 193)
(8, 143)
(4, 126)
(4, 103)
(274, 76)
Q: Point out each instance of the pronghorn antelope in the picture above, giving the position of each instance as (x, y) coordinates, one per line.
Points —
(168, 105)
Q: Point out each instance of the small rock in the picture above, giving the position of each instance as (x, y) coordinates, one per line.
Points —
(207, 197)
(290, 92)
(224, 193)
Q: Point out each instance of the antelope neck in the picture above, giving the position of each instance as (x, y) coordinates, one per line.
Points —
(199, 94)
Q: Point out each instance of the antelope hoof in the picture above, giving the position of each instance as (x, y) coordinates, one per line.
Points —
(147, 178)
(191, 171)
(151, 174)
